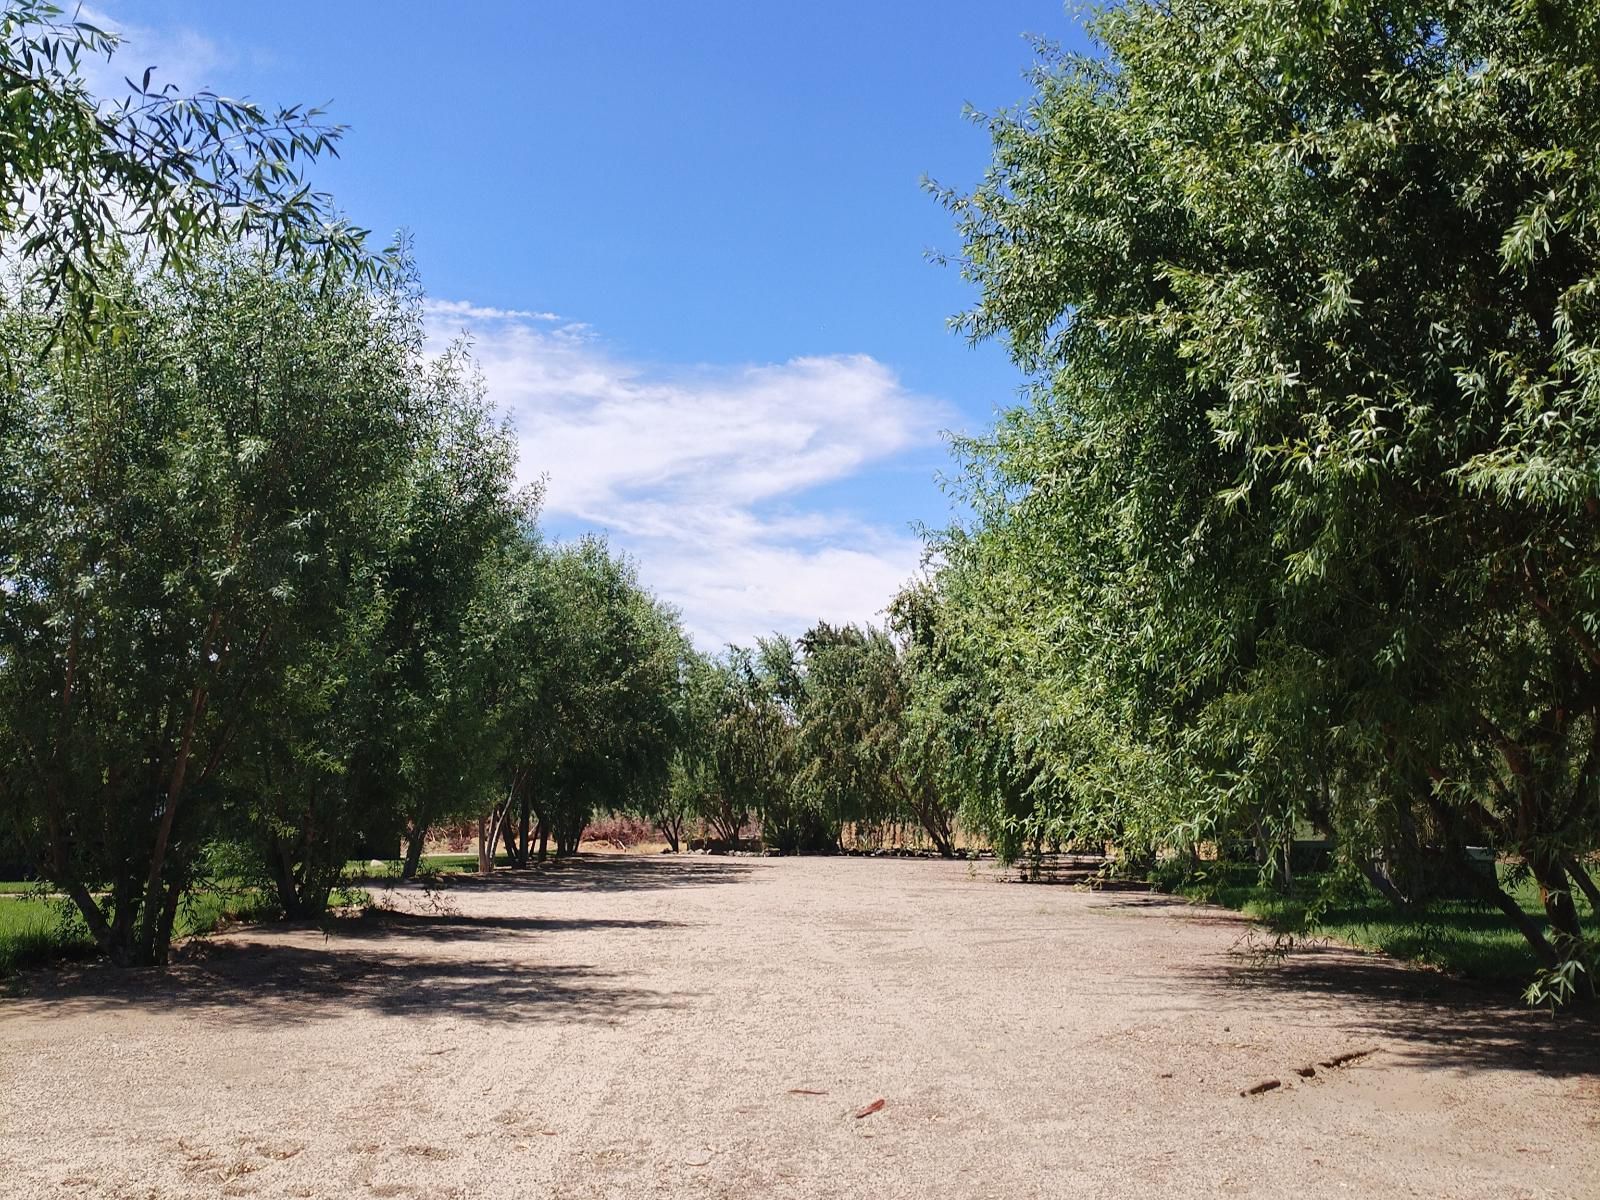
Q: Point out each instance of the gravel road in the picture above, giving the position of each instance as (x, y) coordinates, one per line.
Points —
(662, 1026)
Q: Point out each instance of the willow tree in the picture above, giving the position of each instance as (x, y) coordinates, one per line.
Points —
(589, 710)
(185, 503)
(1302, 519)
(389, 722)
(857, 750)
(154, 167)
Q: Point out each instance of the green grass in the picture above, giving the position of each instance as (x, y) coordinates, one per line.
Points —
(39, 927)
(1465, 937)
(36, 929)
(381, 870)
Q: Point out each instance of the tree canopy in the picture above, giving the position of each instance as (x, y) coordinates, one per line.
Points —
(1297, 530)
(1299, 524)
(83, 177)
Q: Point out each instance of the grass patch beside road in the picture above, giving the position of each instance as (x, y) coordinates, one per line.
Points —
(36, 928)
(1465, 937)
(380, 870)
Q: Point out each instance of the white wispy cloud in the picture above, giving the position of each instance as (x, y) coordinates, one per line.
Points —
(181, 56)
(461, 310)
(703, 474)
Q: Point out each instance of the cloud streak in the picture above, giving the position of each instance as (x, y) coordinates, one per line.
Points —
(706, 474)
(182, 57)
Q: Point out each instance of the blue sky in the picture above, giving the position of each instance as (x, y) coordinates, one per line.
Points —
(688, 242)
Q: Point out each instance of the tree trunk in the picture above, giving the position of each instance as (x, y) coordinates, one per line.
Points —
(510, 837)
(415, 837)
(485, 851)
(283, 882)
(1556, 893)
(937, 824)
(671, 830)
(544, 839)
(1490, 890)
(568, 838)
(95, 919)
(524, 818)
(1526, 925)
(124, 912)
(1585, 885)
(1384, 886)
(169, 915)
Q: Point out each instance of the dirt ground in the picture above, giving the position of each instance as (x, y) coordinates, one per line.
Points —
(630, 1026)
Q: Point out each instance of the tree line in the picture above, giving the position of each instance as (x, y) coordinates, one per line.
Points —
(809, 740)
(270, 595)
(268, 584)
(1298, 528)
(271, 598)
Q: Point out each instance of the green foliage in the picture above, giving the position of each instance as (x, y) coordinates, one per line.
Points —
(863, 758)
(807, 737)
(34, 930)
(266, 583)
(266, 579)
(590, 707)
(391, 722)
(37, 927)
(752, 746)
(188, 505)
(1299, 521)
(172, 173)
(1469, 938)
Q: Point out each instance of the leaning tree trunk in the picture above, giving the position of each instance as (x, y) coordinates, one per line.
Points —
(1451, 823)
(415, 837)
(508, 830)
(1384, 886)
(1555, 892)
(1535, 815)
(524, 819)
(1585, 884)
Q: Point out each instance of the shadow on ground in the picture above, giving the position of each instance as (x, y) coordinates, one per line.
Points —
(1419, 1017)
(1132, 899)
(445, 926)
(375, 962)
(599, 873)
(290, 981)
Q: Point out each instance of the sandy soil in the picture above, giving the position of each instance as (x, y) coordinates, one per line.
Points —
(709, 1027)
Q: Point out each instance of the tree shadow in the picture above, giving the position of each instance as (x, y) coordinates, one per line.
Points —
(598, 873)
(1133, 899)
(444, 926)
(1420, 1017)
(302, 976)
(388, 961)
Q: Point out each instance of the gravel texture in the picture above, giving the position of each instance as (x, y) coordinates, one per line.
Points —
(662, 1026)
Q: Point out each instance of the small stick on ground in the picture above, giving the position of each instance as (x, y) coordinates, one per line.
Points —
(1266, 1085)
(1339, 1060)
